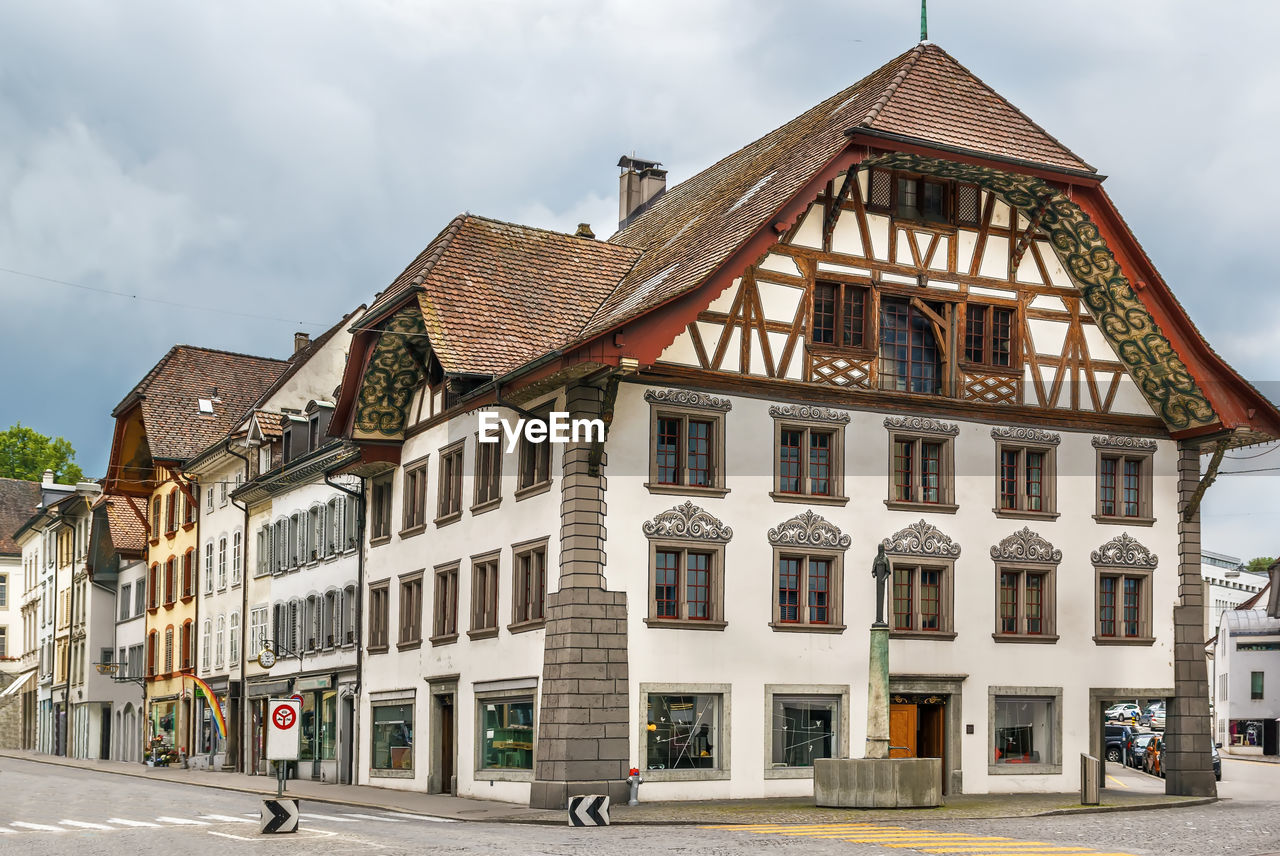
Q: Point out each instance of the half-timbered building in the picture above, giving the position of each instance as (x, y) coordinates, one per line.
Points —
(907, 318)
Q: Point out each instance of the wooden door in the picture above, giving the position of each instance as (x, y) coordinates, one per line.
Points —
(902, 730)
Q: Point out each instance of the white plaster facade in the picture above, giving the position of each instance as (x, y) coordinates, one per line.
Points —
(130, 641)
(1226, 585)
(1246, 682)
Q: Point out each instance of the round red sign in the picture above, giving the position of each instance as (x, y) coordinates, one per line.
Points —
(283, 717)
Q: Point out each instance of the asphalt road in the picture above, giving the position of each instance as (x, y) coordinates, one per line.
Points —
(52, 811)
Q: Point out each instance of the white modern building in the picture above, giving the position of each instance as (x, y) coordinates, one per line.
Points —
(1246, 660)
(1227, 584)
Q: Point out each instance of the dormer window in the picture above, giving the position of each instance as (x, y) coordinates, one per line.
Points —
(924, 199)
(206, 406)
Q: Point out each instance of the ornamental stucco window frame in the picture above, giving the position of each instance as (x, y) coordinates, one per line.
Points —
(1120, 559)
(919, 548)
(1022, 441)
(917, 431)
(684, 405)
(806, 538)
(1021, 555)
(1124, 451)
(810, 421)
(683, 530)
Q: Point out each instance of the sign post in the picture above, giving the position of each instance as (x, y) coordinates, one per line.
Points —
(284, 738)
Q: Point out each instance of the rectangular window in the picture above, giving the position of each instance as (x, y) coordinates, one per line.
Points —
(1124, 486)
(257, 630)
(484, 596)
(140, 593)
(488, 476)
(380, 508)
(804, 728)
(235, 559)
(1025, 732)
(809, 461)
(445, 613)
(988, 335)
(685, 585)
(1123, 607)
(683, 732)
(222, 564)
(839, 315)
(1025, 603)
(808, 592)
(1255, 686)
(170, 580)
(529, 588)
(533, 462)
(450, 499)
(392, 736)
(507, 734)
(126, 600)
(379, 615)
(411, 609)
(414, 512)
(1025, 479)
(687, 451)
(921, 600)
(922, 471)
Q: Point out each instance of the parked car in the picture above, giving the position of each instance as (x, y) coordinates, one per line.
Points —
(1123, 712)
(1153, 760)
(1153, 716)
(1138, 748)
(1116, 737)
(1217, 763)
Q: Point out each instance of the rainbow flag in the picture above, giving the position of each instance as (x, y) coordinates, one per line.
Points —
(218, 719)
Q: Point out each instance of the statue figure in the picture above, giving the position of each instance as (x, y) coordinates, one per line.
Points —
(880, 570)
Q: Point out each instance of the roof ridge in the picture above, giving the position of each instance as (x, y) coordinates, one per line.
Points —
(225, 352)
(893, 85)
(547, 231)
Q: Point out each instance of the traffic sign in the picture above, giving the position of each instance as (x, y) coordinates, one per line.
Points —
(284, 733)
(298, 698)
(279, 816)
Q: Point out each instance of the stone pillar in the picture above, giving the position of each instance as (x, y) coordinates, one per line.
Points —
(878, 694)
(1188, 730)
(583, 742)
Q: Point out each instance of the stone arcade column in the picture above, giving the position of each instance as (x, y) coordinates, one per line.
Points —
(1188, 730)
(583, 745)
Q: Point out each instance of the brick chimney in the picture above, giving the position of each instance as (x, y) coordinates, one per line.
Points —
(300, 341)
(639, 186)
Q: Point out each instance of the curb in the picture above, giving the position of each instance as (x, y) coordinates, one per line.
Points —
(261, 792)
(1107, 809)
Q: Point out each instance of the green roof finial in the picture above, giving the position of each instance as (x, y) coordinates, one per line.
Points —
(924, 20)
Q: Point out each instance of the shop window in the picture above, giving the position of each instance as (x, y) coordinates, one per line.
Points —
(506, 734)
(392, 737)
(683, 733)
(1026, 730)
(450, 491)
(529, 586)
(803, 728)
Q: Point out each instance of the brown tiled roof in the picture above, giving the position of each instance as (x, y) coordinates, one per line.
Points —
(18, 501)
(272, 424)
(494, 295)
(127, 531)
(176, 429)
(923, 94)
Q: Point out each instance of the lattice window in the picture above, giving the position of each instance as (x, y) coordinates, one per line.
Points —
(968, 205)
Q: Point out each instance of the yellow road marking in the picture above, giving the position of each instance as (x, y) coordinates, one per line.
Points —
(1116, 781)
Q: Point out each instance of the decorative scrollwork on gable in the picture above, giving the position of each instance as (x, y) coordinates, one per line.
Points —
(1124, 551)
(1157, 370)
(688, 522)
(1022, 434)
(395, 370)
(921, 539)
(687, 398)
(1125, 444)
(812, 413)
(1026, 546)
(921, 425)
(809, 530)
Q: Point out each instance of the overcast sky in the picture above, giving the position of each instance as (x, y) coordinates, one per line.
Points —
(285, 160)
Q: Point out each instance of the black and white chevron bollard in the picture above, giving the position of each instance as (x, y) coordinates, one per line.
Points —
(589, 810)
(279, 815)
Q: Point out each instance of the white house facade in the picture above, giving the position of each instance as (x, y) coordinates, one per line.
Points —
(1246, 681)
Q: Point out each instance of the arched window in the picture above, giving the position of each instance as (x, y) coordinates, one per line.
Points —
(333, 527)
(220, 643)
(297, 541)
(280, 546)
(188, 572)
(235, 558)
(234, 659)
(280, 619)
(206, 644)
(170, 579)
(171, 511)
(332, 619)
(153, 587)
(187, 643)
(208, 567)
(153, 640)
(295, 626)
(168, 649)
(222, 563)
(315, 532)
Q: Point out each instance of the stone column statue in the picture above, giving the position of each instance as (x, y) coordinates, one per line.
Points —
(878, 667)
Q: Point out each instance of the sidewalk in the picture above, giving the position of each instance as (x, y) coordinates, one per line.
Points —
(784, 810)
